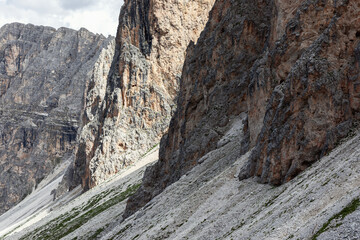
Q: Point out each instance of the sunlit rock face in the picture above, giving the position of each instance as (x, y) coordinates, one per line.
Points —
(133, 112)
(292, 67)
(43, 77)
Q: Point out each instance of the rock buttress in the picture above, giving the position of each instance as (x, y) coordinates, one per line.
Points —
(291, 66)
(317, 101)
(142, 85)
(213, 91)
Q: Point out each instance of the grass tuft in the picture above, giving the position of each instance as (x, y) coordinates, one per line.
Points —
(69, 222)
(339, 216)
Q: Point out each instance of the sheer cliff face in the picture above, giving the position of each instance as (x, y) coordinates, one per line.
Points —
(213, 91)
(317, 100)
(43, 74)
(136, 108)
(291, 67)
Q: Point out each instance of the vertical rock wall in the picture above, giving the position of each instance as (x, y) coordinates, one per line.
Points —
(141, 89)
(43, 76)
(291, 66)
(213, 91)
(316, 102)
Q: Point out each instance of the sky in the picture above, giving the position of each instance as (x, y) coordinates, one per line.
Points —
(98, 16)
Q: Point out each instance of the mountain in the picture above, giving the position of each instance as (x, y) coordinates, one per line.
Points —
(263, 137)
(127, 119)
(288, 69)
(43, 76)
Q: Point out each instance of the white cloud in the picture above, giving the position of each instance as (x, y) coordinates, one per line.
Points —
(71, 4)
(40, 6)
(99, 16)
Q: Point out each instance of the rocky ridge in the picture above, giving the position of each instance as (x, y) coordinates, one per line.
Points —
(291, 67)
(130, 117)
(43, 76)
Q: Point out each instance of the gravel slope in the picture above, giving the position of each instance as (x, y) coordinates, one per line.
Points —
(211, 203)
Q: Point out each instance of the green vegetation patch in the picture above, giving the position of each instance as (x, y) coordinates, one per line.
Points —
(121, 231)
(97, 233)
(341, 215)
(149, 150)
(69, 222)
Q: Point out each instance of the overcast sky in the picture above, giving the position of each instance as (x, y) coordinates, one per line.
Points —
(98, 16)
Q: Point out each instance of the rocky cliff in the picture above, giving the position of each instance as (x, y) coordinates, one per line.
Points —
(315, 102)
(43, 77)
(270, 87)
(289, 69)
(133, 109)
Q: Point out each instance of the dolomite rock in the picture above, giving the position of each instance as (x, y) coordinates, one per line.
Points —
(43, 75)
(213, 90)
(316, 101)
(291, 67)
(91, 115)
(135, 110)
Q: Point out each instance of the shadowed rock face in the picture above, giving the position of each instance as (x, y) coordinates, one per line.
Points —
(213, 91)
(134, 111)
(291, 66)
(43, 76)
(317, 100)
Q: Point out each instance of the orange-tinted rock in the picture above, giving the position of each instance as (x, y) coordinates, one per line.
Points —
(316, 103)
(213, 92)
(143, 82)
(291, 66)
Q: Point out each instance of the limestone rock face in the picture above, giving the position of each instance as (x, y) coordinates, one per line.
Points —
(213, 91)
(316, 102)
(43, 76)
(292, 67)
(134, 112)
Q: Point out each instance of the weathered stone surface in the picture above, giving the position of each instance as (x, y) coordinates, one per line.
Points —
(316, 102)
(143, 81)
(279, 76)
(291, 66)
(213, 90)
(91, 115)
(209, 202)
(346, 227)
(43, 75)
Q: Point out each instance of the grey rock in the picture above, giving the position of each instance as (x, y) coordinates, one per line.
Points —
(43, 76)
(127, 119)
(213, 87)
(282, 63)
(346, 228)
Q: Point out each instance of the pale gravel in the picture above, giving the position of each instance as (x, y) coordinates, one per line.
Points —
(222, 207)
(45, 209)
(211, 203)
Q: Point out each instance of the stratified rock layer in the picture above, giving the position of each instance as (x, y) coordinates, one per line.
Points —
(292, 67)
(43, 76)
(134, 112)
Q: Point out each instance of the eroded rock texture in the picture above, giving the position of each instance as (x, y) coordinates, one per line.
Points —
(213, 91)
(133, 113)
(43, 76)
(291, 66)
(317, 100)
